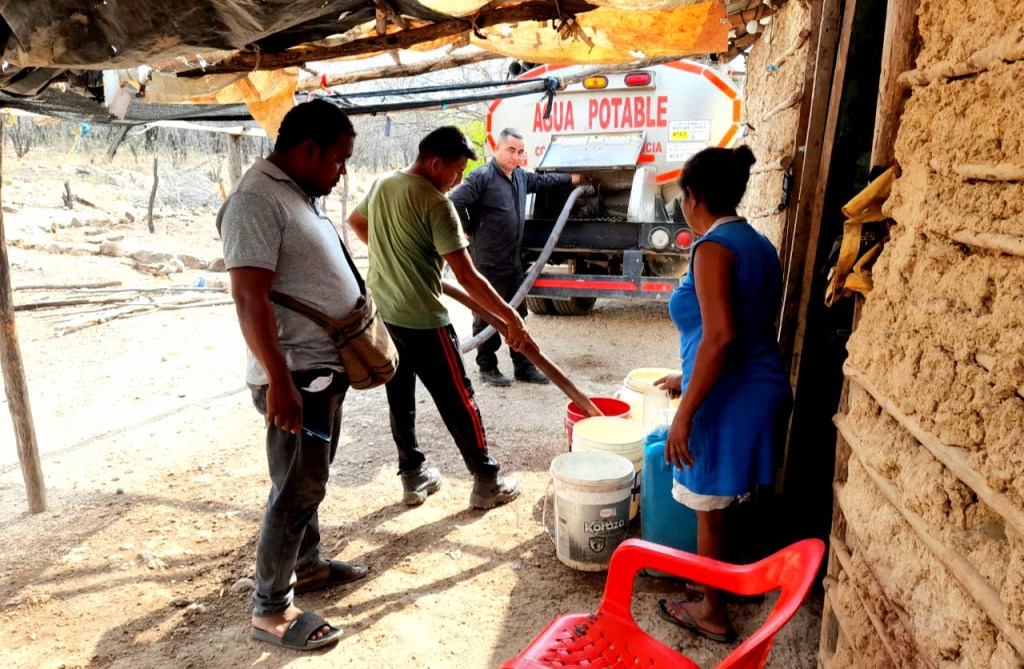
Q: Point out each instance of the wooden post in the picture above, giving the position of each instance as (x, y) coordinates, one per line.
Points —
(898, 54)
(116, 141)
(152, 195)
(818, 79)
(15, 384)
(234, 161)
(801, 249)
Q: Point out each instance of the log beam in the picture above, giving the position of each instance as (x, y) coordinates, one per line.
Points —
(532, 10)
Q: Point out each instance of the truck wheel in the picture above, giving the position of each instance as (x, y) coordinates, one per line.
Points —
(574, 306)
(539, 305)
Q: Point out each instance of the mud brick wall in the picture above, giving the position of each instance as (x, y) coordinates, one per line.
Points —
(933, 499)
(776, 137)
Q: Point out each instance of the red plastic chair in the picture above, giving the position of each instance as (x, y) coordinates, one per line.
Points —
(611, 639)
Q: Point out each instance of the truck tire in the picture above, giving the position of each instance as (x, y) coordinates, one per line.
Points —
(539, 305)
(574, 306)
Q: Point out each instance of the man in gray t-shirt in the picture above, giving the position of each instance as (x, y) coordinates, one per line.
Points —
(276, 237)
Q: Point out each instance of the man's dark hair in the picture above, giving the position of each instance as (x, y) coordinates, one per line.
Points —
(317, 120)
(718, 177)
(508, 132)
(447, 143)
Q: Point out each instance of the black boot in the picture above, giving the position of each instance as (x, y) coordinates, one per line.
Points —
(530, 374)
(494, 377)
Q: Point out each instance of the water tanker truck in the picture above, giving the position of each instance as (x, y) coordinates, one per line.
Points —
(629, 134)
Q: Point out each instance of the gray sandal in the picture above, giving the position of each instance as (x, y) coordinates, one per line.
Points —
(297, 636)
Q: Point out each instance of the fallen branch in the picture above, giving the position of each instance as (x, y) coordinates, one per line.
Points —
(1007, 50)
(953, 458)
(168, 289)
(109, 315)
(962, 571)
(790, 101)
(31, 306)
(68, 286)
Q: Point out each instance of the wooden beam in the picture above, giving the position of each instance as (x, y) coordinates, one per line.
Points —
(407, 70)
(898, 55)
(963, 572)
(15, 385)
(531, 10)
(810, 185)
(821, 62)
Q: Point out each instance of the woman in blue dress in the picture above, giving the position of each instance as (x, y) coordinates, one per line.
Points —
(735, 393)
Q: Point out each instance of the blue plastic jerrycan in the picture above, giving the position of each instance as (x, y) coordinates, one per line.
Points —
(663, 520)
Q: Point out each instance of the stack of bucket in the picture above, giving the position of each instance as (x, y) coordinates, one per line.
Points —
(599, 485)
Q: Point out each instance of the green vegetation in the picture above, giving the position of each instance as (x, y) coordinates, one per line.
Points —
(477, 133)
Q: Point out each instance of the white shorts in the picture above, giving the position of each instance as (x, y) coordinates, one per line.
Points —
(697, 502)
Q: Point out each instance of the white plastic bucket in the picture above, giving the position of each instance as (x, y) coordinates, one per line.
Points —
(591, 507)
(636, 384)
(614, 435)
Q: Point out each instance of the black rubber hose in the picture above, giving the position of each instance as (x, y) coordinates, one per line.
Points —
(538, 266)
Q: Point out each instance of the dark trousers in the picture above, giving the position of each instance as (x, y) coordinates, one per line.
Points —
(299, 464)
(486, 354)
(433, 357)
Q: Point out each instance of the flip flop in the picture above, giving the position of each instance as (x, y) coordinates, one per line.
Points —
(297, 636)
(340, 573)
(688, 623)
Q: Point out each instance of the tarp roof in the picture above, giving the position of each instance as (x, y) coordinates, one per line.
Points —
(243, 51)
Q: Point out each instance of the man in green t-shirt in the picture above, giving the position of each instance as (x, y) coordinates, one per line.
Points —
(411, 230)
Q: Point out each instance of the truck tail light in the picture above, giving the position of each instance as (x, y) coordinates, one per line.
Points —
(638, 79)
(684, 238)
(595, 82)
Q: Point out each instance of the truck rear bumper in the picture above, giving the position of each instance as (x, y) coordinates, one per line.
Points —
(586, 285)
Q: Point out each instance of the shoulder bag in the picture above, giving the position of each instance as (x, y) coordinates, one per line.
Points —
(360, 338)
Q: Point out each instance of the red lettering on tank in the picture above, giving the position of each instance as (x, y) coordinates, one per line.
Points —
(604, 113)
(627, 114)
(616, 103)
(662, 111)
(591, 113)
(539, 151)
(639, 117)
(561, 117)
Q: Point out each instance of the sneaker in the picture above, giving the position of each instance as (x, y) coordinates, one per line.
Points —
(494, 377)
(531, 375)
(489, 493)
(419, 484)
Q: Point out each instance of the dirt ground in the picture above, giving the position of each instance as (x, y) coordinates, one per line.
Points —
(155, 473)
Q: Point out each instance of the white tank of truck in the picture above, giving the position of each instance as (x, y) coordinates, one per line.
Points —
(629, 134)
(680, 107)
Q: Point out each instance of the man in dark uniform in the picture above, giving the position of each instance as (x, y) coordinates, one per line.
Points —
(492, 205)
